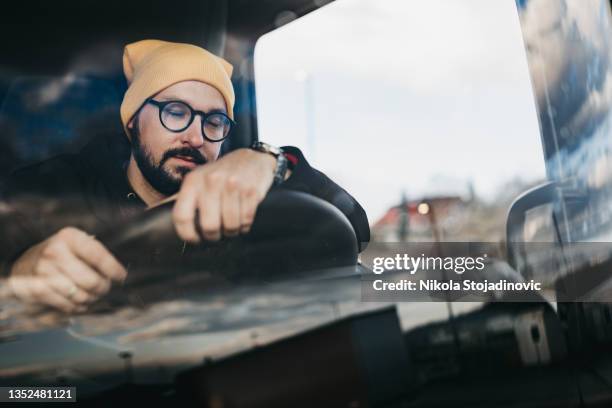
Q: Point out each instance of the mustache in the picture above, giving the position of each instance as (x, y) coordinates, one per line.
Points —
(194, 154)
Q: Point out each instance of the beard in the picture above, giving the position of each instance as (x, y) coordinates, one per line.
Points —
(160, 178)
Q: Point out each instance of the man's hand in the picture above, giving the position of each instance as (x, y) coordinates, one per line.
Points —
(226, 194)
(67, 271)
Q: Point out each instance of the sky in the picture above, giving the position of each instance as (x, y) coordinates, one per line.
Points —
(392, 96)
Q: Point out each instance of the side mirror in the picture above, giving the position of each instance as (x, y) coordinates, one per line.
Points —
(581, 276)
(574, 257)
(538, 196)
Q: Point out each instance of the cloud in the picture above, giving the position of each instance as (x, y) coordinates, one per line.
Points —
(568, 45)
(159, 329)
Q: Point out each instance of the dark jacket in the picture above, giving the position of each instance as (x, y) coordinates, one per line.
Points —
(90, 191)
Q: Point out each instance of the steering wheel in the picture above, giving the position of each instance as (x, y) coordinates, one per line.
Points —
(292, 232)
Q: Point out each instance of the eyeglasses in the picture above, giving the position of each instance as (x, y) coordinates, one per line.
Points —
(176, 116)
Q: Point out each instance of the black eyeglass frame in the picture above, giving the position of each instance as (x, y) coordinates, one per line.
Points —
(161, 105)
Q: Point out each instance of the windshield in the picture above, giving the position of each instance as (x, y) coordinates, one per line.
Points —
(411, 133)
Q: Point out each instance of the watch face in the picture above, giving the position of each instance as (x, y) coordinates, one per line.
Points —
(268, 148)
(274, 150)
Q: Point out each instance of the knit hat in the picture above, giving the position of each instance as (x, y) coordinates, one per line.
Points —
(150, 66)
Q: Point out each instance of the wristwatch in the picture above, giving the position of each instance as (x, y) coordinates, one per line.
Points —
(281, 160)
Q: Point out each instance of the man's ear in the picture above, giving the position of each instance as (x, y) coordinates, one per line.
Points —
(132, 126)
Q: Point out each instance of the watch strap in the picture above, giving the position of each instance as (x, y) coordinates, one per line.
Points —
(282, 163)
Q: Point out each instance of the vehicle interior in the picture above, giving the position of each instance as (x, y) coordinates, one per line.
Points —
(276, 318)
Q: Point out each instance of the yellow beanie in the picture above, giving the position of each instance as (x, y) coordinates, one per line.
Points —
(150, 66)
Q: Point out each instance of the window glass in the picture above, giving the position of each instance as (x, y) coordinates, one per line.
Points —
(569, 55)
(408, 101)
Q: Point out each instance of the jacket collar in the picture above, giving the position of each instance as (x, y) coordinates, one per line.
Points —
(108, 156)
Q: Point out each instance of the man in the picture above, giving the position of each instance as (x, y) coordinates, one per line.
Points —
(176, 112)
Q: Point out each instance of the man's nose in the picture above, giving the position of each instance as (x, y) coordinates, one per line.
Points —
(193, 134)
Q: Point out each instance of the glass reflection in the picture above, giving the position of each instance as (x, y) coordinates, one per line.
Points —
(568, 50)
